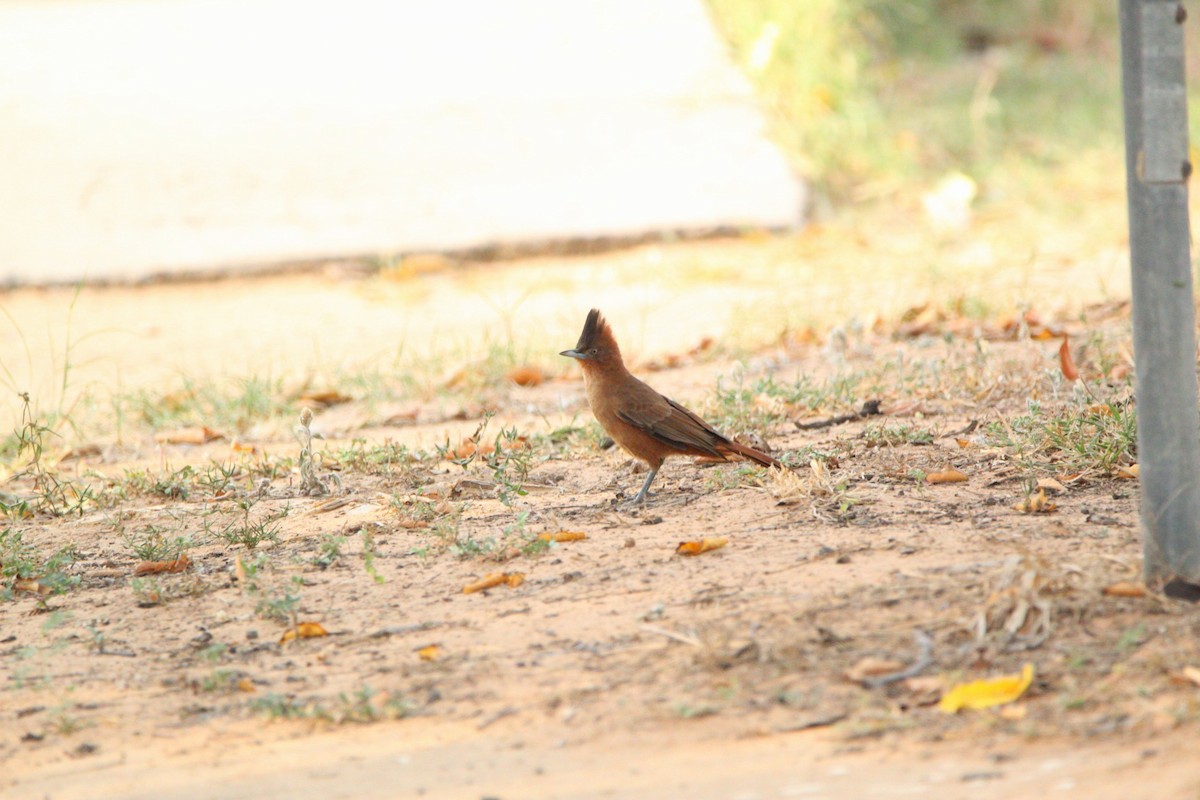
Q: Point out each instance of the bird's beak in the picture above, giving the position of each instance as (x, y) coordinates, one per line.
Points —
(574, 354)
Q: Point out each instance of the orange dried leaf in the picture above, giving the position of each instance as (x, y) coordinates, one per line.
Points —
(305, 630)
(870, 667)
(1125, 589)
(987, 693)
(1036, 504)
(527, 376)
(1131, 471)
(323, 399)
(512, 579)
(1052, 485)
(1066, 363)
(695, 548)
(964, 443)
(563, 536)
(200, 435)
(429, 652)
(31, 585)
(1191, 674)
(950, 475)
(240, 447)
(153, 567)
(245, 685)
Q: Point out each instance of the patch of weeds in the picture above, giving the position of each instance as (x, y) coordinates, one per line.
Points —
(220, 479)
(362, 705)
(507, 457)
(276, 601)
(171, 484)
(368, 705)
(280, 706)
(740, 408)
(1098, 437)
(248, 532)
(723, 478)
(885, 435)
(689, 711)
(52, 494)
(235, 404)
(21, 566)
(378, 459)
(152, 545)
(329, 550)
(369, 553)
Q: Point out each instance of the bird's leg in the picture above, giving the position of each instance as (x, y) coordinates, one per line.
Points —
(640, 497)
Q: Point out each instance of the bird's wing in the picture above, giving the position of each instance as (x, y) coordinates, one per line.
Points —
(672, 424)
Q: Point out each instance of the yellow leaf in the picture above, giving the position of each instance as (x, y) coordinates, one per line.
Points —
(1036, 504)
(702, 546)
(305, 630)
(950, 475)
(987, 693)
(563, 536)
(429, 652)
(513, 579)
(1066, 363)
(1125, 589)
(1128, 472)
(245, 685)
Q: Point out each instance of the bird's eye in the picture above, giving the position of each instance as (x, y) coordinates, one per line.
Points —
(593, 351)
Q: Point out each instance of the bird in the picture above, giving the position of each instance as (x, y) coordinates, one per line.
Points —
(646, 424)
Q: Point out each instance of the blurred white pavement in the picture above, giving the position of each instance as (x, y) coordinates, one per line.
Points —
(140, 137)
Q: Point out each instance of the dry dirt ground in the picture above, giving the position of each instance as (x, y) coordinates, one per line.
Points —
(617, 668)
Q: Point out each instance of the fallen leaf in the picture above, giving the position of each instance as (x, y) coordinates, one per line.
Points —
(81, 451)
(31, 585)
(1036, 504)
(429, 652)
(987, 693)
(869, 667)
(1014, 713)
(470, 447)
(240, 447)
(526, 376)
(1125, 589)
(305, 630)
(153, 567)
(239, 570)
(1188, 675)
(1052, 485)
(924, 684)
(1066, 363)
(1131, 471)
(512, 579)
(695, 548)
(200, 435)
(964, 443)
(245, 685)
(323, 399)
(563, 536)
(950, 475)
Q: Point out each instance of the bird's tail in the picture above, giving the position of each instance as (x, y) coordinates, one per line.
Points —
(749, 452)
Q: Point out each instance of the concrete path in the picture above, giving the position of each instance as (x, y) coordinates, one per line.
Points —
(143, 136)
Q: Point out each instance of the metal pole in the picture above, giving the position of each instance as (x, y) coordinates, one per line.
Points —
(1157, 169)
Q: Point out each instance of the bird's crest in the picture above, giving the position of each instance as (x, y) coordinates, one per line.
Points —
(595, 332)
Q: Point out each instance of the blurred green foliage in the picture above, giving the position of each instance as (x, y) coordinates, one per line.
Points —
(869, 95)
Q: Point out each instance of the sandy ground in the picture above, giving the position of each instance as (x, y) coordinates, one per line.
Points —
(617, 668)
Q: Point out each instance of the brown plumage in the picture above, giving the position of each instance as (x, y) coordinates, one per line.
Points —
(643, 422)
